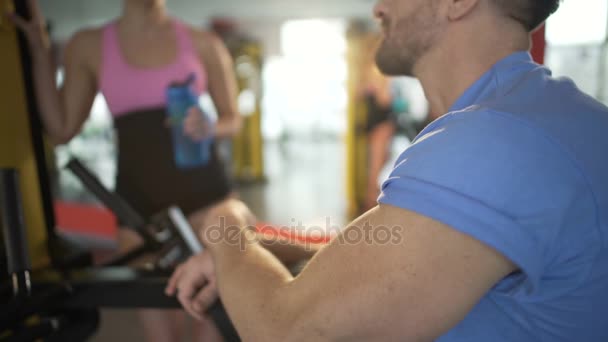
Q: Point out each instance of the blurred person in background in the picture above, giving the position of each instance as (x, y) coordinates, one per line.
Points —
(376, 94)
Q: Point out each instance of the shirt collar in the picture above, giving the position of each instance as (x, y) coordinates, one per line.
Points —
(488, 83)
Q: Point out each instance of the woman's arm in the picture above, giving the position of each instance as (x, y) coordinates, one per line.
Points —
(63, 110)
(222, 82)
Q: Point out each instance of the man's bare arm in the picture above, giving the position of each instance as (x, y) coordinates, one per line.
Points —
(413, 287)
(289, 251)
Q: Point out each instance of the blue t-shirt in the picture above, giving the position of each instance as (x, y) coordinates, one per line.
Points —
(521, 164)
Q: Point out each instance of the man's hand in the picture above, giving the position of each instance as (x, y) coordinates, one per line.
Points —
(195, 284)
(196, 126)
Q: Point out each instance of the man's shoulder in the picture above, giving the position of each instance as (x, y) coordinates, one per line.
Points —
(476, 123)
(483, 137)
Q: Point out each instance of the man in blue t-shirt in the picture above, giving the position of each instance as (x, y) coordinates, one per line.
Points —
(493, 225)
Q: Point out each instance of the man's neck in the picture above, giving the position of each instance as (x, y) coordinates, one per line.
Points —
(460, 60)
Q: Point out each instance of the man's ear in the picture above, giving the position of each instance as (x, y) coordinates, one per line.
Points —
(458, 9)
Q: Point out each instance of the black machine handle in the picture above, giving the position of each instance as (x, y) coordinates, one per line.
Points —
(112, 201)
(121, 208)
(15, 239)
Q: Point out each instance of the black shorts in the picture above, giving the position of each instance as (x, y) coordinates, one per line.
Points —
(377, 113)
(147, 177)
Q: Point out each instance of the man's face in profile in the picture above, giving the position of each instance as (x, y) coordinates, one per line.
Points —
(410, 28)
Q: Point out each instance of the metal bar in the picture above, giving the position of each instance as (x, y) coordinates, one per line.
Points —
(123, 210)
(111, 287)
(120, 208)
(184, 230)
(15, 240)
(35, 124)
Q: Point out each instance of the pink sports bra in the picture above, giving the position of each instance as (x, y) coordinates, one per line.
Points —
(128, 88)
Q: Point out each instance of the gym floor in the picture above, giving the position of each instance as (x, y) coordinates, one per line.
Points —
(305, 184)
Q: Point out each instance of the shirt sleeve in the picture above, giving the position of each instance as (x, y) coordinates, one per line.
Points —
(491, 177)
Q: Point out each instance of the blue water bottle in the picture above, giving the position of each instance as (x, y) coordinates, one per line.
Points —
(187, 152)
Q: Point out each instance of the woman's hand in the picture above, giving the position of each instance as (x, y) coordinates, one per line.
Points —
(196, 126)
(34, 28)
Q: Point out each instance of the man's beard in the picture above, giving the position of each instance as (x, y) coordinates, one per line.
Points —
(406, 42)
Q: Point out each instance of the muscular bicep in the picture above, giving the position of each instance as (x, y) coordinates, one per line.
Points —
(394, 275)
(79, 88)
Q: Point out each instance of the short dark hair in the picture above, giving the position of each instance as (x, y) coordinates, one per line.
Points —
(530, 13)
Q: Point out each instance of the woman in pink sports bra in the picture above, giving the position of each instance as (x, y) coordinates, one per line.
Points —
(131, 61)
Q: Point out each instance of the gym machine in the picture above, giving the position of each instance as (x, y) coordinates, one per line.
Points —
(49, 289)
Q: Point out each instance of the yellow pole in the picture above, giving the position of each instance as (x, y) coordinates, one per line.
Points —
(248, 159)
(356, 139)
(16, 149)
